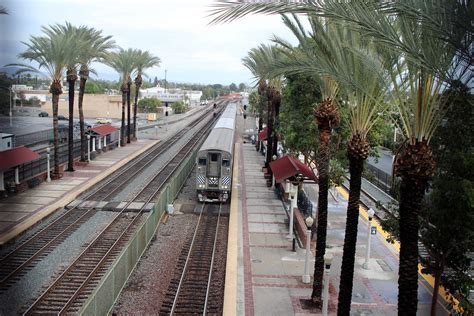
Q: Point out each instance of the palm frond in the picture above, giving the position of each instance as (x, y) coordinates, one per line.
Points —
(3, 10)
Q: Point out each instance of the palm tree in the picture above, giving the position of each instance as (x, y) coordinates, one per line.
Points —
(96, 50)
(143, 61)
(3, 10)
(52, 53)
(70, 31)
(123, 62)
(306, 59)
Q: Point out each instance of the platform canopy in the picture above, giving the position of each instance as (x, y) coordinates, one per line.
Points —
(287, 167)
(16, 156)
(102, 130)
(262, 135)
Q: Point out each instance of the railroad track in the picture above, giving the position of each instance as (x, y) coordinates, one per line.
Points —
(189, 291)
(71, 289)
(19, 261)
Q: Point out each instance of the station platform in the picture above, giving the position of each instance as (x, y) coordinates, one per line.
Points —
(264, 274)
(21, 211)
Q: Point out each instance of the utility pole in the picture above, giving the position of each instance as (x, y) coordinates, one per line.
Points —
(165, 79)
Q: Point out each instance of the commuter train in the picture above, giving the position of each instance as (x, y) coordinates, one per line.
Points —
(214, 160)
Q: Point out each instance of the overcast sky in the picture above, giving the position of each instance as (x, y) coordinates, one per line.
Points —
(177, 31)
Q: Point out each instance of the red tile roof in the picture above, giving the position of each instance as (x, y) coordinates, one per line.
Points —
(103, 130)
(16, 156)
(288, 166)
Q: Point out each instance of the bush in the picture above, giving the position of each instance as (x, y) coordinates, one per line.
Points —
(179, 107)
(149, 104)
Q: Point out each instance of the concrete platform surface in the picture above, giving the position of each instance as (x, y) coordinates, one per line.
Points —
(21, 211)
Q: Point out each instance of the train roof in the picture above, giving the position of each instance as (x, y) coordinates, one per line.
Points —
(222, 135)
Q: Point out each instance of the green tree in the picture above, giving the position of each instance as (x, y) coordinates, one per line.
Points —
(149, 104)
(449, 206)
(233, 87)
(92, 87)
(179, 107)
(242, 86)
(143, 60)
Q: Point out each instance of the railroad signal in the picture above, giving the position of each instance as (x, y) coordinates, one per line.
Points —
(166, 113)
(245, 107)
(214, 105)
(245, 116)
(166, 104)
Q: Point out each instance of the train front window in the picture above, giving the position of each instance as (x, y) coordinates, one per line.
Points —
(225, 162)
(202, 161)
(214, 157)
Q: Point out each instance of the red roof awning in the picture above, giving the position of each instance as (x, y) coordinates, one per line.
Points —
(103, 130)
(287, 167)
(16, 156)
(262, 135)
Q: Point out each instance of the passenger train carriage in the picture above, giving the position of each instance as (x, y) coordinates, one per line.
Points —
(215, 159)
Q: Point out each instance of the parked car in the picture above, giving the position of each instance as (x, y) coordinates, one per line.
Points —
(43, 114)
(100, 120)
(62, 118)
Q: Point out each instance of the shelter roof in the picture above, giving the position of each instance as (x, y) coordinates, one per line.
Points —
(16, 156)
(262, 135)
(102, 130)
(288, 166)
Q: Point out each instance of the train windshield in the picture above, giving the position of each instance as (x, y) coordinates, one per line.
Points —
(225, 162)
(214, 157)
(202, 161)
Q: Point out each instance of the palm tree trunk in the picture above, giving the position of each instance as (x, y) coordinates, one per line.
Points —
(415, 166)
(71, 79)
(135, 109)
(276, 106)
(326, 116)
(55, 90)
(82, 87)
(129, 84)
(437, 282)
(122, 126)
(269, 134)
(322, 222)
(356, 166)
(138, 83)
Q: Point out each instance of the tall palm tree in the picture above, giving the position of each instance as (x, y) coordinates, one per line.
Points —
(306, 59)
(427, 35)
(259, 61)
(96, 50)
(70, 31)
(123, 62)
(3, 10)
(52, 53)
(143, 61)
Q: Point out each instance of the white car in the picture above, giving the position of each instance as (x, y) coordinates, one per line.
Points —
(103, 121)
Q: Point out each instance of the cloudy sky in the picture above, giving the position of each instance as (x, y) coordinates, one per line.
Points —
(177, 31)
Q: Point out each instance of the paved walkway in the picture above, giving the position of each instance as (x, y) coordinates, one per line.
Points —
(268, 273)
(19, 212)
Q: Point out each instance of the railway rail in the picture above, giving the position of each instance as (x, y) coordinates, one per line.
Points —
(71, 289)
(189, 291)
(17, 262)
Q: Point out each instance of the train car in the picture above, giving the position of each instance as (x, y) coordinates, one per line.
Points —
(215, 159)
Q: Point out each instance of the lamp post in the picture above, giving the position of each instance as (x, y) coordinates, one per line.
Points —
(327, 269)
(309, 223)
(48, 167)
(89, 148)
(370, 213)
(293, 196)
(11, 113)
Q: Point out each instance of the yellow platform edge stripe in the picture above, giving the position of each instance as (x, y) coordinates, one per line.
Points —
(230, 289)
(396, 246)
